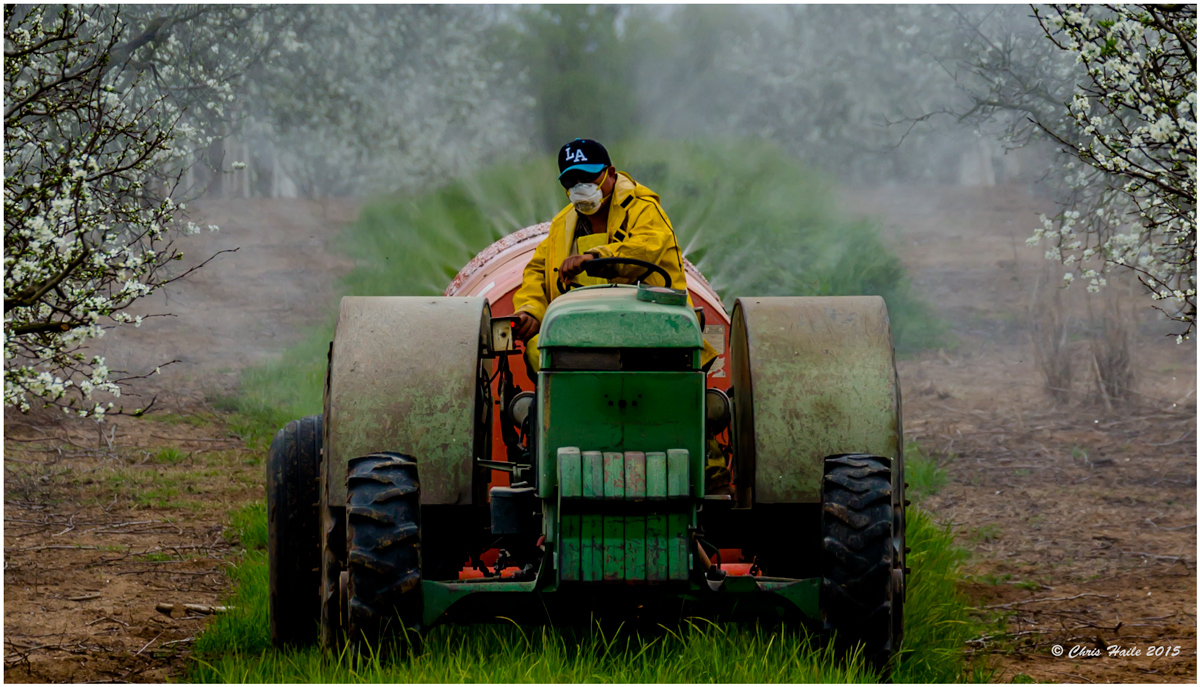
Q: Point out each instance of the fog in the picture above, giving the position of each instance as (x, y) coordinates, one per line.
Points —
(369, 99)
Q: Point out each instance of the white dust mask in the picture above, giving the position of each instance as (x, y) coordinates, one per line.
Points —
(587, 198)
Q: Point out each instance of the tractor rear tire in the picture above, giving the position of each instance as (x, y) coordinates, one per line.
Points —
(293, 532)
(333, 548)
(857, 520)
(383, 555)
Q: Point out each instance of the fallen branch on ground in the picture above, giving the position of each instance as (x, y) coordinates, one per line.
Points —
(172, 609)
(1060, 598)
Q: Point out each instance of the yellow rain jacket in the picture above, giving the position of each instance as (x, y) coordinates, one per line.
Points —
(637, 228)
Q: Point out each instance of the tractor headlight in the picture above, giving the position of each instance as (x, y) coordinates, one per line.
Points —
(716, 411)
(519, 406)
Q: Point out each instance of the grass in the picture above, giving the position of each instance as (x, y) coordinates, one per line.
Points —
(937, 619)
(986, 533)
(155, 482)
(922, 472)
(696, 652)
(753, 220)
(158, 498)
(236, 647)
(170, 455)
(243, 629)
(261, 409)
(993, 579)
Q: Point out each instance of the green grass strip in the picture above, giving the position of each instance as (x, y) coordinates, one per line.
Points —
(236, 647)
(924, 475)
(937, 619)
(499, 653)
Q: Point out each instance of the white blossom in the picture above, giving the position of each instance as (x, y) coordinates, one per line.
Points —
(91, 161)
(1131, 122)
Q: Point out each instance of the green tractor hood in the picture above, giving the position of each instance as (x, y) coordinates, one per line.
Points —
(620, 316)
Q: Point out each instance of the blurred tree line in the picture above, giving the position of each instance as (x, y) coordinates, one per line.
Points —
(867, 93)
(379, 98)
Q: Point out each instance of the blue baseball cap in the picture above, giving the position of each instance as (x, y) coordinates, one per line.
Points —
(584, 155)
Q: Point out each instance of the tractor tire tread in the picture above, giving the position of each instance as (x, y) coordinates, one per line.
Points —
(857, 460)
(857, 523)
(383, 526)
(397, 492)
(850, 517)
(372, 513)
(868, 498)
(850, 479)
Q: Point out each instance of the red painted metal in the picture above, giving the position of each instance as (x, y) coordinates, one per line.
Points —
(473, 574)
(494, 266)
(733, 563)
(730, 556)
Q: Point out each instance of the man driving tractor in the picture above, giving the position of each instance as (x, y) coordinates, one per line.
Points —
(623, 220)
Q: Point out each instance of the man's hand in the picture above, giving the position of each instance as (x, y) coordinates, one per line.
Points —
(527, 326)
(573, 266)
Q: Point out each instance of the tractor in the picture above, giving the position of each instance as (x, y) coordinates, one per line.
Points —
(446, 481)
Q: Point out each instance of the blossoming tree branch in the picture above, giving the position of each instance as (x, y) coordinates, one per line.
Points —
(104, 107)
(1131, 126)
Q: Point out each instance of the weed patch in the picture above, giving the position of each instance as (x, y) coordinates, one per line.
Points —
(170, 455)
(986, 533)
(172, 419)
(922, 472)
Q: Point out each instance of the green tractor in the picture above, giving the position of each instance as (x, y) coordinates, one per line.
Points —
(444, 482)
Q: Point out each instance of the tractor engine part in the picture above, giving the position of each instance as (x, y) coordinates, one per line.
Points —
(519, 407)
(502, 339)
(515, 510)
(717, 411)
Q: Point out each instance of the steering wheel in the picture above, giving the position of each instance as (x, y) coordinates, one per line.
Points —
(596, 264)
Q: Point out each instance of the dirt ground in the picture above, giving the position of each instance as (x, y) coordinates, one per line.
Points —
(102, 526)
(1081, 519)
(99, 529)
